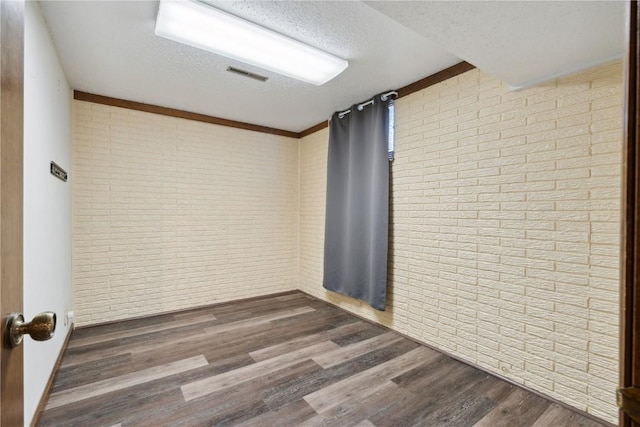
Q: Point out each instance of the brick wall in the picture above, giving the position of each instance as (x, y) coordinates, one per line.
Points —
(505, 225)
(170, 213)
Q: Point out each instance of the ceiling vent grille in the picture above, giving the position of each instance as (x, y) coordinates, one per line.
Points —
(247, 74)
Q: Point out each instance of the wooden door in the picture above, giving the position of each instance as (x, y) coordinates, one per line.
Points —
(630, 265)
(11, 188)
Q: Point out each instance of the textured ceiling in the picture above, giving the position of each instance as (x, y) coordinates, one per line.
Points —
(522, 43)
(109, 48)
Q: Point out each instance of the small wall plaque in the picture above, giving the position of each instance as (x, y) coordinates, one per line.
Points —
(58, 172)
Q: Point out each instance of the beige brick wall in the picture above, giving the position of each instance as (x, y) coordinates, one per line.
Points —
(505, 225)
(171, 213)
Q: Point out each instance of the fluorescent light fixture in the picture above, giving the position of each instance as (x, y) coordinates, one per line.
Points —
(202, 26)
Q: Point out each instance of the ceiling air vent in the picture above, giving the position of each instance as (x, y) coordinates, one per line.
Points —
(247, 74)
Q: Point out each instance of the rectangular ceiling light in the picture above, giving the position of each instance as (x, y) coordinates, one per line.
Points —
(210, 29)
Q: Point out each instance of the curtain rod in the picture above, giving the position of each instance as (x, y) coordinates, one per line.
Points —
(383, 97)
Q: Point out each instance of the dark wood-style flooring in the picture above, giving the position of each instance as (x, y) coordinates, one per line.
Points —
(287, 360)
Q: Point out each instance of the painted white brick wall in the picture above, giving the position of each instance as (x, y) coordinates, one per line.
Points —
(171, 213)
(505, 229)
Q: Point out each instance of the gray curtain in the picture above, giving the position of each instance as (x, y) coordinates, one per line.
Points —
(357, 216)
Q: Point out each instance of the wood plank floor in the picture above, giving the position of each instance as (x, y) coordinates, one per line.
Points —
(286, 360)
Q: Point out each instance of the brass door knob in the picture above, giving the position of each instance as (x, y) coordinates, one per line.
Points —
(41, 328)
